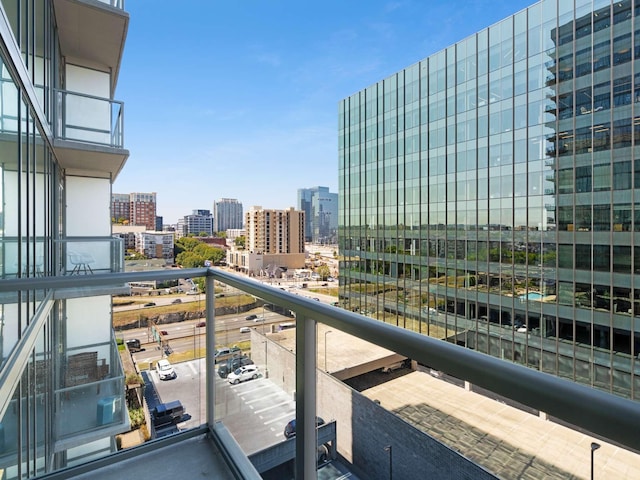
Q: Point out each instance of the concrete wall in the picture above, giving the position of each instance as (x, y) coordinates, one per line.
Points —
(364, 428)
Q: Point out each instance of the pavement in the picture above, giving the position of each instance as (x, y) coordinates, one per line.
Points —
(507, 441)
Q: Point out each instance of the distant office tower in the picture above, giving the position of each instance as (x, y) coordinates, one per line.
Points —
(62, 387)
(200, 221)
(159, 220)
(321, 214)
(227, 214)
(134, 209)
(492, 188)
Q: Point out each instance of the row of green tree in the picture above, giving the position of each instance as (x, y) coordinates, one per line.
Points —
(190, 252)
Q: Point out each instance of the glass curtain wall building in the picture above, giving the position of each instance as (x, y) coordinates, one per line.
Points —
(61, 379)
(490, 193)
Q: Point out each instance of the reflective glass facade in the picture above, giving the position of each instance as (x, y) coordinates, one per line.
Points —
(490, 194)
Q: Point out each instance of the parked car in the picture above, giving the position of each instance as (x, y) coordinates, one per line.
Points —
(165, 370)
(150, 304)
(251, 317)
(248, 372)
(225, 353)
(133, 345)
(233, 364)
(290, 428)
(177, 300)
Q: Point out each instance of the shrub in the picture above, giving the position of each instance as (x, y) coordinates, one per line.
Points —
(137, 418)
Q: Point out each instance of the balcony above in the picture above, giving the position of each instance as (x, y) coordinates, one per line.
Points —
(93, 32)
(88, 134)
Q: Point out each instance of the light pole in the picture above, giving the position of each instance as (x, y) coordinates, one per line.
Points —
(263, 319)
(325, 349)
(388, 449)
(594, 446)
(266, 362)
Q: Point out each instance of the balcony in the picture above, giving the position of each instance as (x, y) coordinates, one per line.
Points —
(89, 400)
(88, 134)
(378, 427)
(93, 32)
(91, 255)
(91, 396)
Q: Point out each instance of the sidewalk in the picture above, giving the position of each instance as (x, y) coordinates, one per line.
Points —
(508, 442)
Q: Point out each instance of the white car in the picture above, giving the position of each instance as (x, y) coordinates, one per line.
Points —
(245, 330)
(248, 372)
(165, 370)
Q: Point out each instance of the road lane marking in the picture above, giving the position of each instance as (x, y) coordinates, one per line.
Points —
(274, 394)
(286, 402)
(290, 414)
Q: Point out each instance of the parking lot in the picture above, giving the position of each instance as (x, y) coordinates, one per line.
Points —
(255, 411)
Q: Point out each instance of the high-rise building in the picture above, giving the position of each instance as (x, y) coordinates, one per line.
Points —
(62, 389)
(200, 221)
(134, 208)
(121, 208)
(227, 214)
(488, 193)
(273, 238)
(320, 208)
(274, 231)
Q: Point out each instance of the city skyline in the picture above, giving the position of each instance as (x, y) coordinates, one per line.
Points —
(265, 102)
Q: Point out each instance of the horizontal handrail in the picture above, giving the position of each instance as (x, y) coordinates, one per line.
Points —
(598, 412)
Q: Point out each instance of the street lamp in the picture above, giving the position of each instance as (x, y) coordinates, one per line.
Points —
(594, 446)
(388, 449)
(325, 349)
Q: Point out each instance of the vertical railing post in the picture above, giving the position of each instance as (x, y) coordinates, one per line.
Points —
(305, 398)
(210, 364)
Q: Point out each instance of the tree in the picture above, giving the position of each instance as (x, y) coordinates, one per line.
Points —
(195, 253)
(185, 244)
(221, 234)
(323, 271)
(240, 241)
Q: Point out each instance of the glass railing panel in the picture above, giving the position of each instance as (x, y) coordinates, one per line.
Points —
(88, 256)
(89, 406)
(90, 119)
(255, 380)
(162, 326)
(22, 259)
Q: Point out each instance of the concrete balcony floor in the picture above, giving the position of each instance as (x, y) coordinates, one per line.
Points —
(196, 457)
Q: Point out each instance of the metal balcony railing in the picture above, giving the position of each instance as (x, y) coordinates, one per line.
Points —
(88, 119)
(600, 413)
(90, 255)
(114, 3)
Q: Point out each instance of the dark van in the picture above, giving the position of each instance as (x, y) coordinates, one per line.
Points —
(167, 413)
(133, 345)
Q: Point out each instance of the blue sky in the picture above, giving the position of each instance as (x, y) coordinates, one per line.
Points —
(239, 99)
